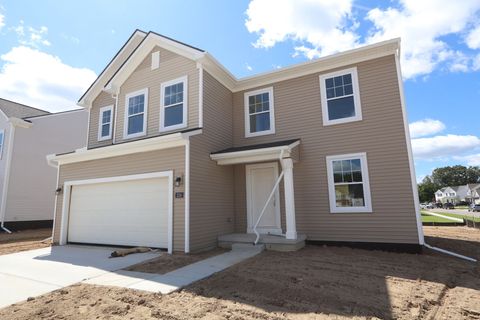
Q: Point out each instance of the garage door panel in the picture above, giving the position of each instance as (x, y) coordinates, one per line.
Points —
(120, 213)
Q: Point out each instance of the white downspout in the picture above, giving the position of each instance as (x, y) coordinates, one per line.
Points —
(6, 179)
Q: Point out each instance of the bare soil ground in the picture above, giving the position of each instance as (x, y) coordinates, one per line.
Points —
(166, 263)
(313, 283)
(24, 240)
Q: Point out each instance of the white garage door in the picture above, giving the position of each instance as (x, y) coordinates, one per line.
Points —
(130, 213)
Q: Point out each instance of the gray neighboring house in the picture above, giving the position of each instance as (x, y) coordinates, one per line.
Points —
(27, 183)
(455, 194)
(182, 155)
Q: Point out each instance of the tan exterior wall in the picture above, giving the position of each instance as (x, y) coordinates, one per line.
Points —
(105, 99)
(212, 186)
(172, 66)
(380, 134)
(31, 190)
(154, 161)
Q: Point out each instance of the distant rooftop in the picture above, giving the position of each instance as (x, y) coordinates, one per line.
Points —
(18, 110)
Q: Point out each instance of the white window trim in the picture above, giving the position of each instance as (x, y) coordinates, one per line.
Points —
(356, 97)
(100, 123)
(365, 179)
(2, 131)
(145, 113)
(185, 104)
(249, 134)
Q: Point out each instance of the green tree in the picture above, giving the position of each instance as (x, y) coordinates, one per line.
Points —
(426, 190)
(455, 176)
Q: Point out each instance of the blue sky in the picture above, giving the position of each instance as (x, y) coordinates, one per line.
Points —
(50, 51)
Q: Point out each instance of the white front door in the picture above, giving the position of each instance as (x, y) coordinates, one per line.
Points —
(260, 181)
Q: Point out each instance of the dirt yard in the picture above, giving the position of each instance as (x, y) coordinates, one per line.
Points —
(314, 283)
(24, 240)
(167, 263)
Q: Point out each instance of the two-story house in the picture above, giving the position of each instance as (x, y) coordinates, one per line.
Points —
(181, 152)
(27, 183)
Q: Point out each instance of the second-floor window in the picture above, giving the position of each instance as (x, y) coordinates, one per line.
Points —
(136, 104)
(340, 97)
(259, 116)
(105, 123)
(173, 107)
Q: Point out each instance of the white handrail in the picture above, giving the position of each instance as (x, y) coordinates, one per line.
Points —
(265, 207)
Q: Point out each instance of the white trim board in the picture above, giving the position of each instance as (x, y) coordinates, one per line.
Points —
(248, 184)
(184, 123)
(67, 189)
(365, 181)
(271, 112)
(129, 95)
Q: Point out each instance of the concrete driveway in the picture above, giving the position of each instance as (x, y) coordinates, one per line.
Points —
(36, 272)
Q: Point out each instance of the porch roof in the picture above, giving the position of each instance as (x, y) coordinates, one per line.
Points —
(255, 153)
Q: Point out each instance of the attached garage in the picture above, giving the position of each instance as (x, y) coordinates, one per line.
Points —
(131, 210)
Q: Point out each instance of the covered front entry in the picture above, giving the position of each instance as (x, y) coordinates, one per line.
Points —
(260, 180)
(266, 167)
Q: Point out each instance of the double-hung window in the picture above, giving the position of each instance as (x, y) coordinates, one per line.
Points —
(259, 116)
(105, 123)
(136, 105)
(340, 97)
(348, 184)
(173, 104)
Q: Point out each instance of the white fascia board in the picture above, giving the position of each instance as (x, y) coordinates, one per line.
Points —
(96, 88)
(145, 145)
(151, 41)
(255, 155)
(17, 122)
(337, 60)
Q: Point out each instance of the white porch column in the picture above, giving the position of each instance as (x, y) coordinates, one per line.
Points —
(287, 165)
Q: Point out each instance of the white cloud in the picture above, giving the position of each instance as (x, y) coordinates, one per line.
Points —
(2, 21)
(445, 146)
(29, 36)
(320, 28)
(326, 25)
(425, 127)
(42, 80)
(421, 24)
(471, 160)
(473, 38)
(249, 67)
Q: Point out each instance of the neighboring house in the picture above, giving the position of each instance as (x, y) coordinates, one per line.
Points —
(181, 152)
(457, 194)
(27, 183)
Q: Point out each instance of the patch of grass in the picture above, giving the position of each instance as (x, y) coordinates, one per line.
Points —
(435, 219)
(460, 216)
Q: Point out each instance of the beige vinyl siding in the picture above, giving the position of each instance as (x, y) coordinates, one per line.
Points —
(104, 99)
(212, 186)
(31, 190)
(172, 66)
(146, 162)
(380, 134)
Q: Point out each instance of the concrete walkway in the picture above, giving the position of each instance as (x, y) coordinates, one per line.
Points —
(172, 281)
(36, 272)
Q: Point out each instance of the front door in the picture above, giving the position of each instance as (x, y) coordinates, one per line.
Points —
(260, 181)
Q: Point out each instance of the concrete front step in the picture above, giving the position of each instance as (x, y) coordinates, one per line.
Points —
(271, 242)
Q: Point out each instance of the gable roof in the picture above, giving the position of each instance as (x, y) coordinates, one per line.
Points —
(18, 110)
(206, 61)
(97, 86)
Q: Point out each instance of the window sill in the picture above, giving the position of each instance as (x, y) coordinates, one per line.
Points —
(174, 127)
(134, 135)
(340, 121)
(260, 133)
